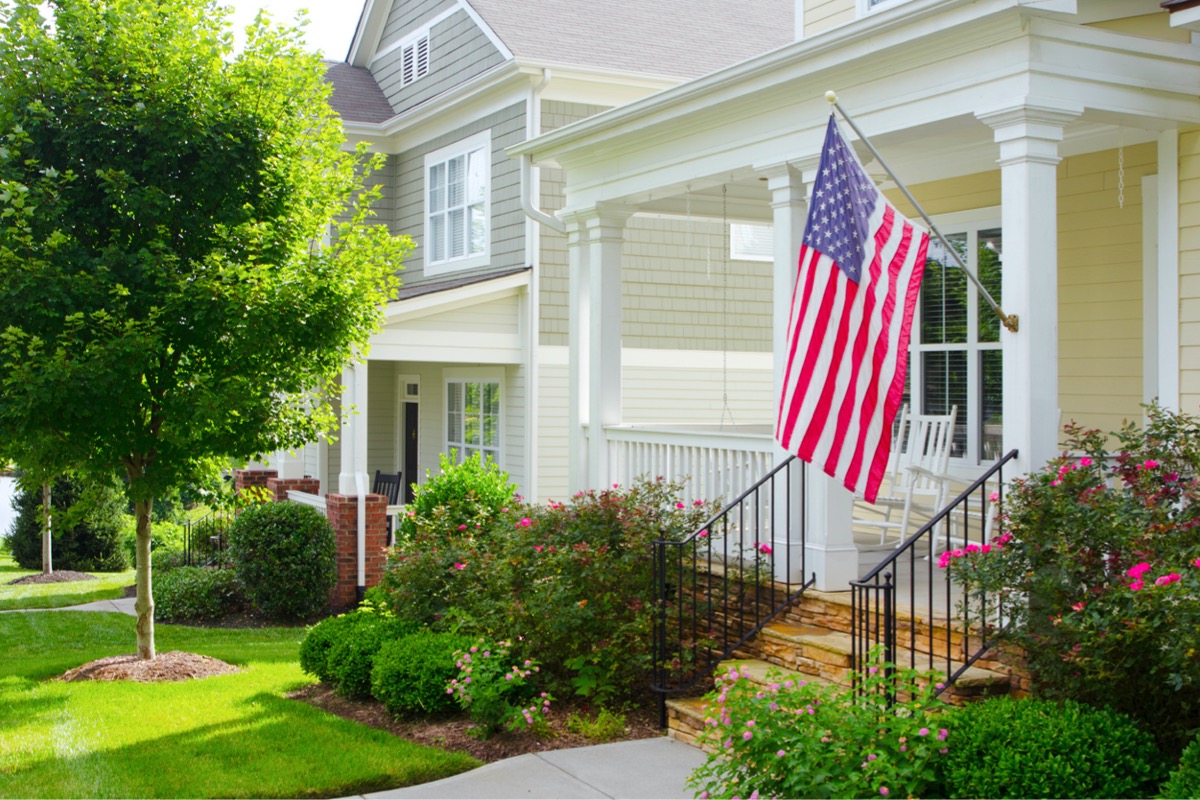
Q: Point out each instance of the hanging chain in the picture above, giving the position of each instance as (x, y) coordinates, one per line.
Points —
(1121, 169)
(725, 409)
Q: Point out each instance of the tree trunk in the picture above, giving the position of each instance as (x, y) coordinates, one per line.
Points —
(145, 600)
(47, 533)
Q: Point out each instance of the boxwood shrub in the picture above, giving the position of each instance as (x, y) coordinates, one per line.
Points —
(194, 594)
(411, 673)
(1039, 748)
(284, 554)
(351, 653)
(1184, 781)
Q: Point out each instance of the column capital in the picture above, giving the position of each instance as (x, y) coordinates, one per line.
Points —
(601, 221)
(785, 181)
(1029, 131)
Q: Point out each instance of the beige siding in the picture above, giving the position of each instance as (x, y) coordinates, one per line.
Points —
(479, 332)
(551, 436)
(381, 418)
(514, 397)
(1189, 269)
(821, 15)
(1150, 26)
(1100, 286)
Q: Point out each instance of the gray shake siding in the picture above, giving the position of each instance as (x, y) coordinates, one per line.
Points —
(507, 220)
(406, 17)
(458, 51)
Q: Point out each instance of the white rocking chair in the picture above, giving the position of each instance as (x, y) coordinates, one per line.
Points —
(917, 480)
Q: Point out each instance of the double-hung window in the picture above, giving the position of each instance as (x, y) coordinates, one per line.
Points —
(473, 418)
(955, 357)
(458, 180)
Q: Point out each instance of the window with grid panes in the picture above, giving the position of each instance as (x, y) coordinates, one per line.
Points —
(473, 419)
(457, 179)
(954, 357)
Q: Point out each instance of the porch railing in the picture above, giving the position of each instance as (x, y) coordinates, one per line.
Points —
(205, 538)
(317, 501)
(716, 463)
(943, 627)
(717, 588)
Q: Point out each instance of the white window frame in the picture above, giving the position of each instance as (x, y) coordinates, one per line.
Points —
(475, 253)
(741, 238)
(969, 223)
(866, 7)
(477, 376)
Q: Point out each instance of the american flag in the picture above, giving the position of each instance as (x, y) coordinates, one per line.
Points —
(860, 270)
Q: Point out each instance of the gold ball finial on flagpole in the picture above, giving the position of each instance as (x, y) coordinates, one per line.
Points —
(831, 96)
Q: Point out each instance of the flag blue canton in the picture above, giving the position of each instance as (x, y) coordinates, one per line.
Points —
(842, 201)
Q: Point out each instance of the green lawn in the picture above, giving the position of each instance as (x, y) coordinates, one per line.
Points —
(110, 586)
(228, 736)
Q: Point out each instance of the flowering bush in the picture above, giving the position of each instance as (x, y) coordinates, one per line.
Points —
(568, 583)
(797, 739)
(460, 501)
(488, 683)
(1099, 565)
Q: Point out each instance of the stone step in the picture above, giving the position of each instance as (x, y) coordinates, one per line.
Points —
(685, 720)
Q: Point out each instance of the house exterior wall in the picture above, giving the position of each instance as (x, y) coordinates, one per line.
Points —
(1189, 269)
(821, 15)
(458, 51)
(1100, 287)
(507, 234)
(1150, 26)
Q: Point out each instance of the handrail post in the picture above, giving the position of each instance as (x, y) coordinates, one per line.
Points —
(889, 636)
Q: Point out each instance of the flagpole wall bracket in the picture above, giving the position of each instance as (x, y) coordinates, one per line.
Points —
(1009, 321)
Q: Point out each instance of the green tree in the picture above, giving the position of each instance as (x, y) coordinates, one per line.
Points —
(169, 290)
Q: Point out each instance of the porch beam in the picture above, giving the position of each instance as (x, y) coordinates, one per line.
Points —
(1028, 135)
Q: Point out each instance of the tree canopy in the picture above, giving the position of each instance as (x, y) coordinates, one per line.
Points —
(170, 290)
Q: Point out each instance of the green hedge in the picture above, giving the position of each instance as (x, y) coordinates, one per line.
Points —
(411, 673)
(285, 555)
(194, 594)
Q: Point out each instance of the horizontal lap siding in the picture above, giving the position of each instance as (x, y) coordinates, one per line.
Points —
(1100, 286)
(381, 417)
(458, 51)
(551, 431)
(1189, 269)
(821, 15)
(507, 220)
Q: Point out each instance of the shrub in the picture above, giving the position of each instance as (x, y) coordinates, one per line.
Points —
(570, 584)
(607, 725)
(284, 554)
(351, 656)
(489, 684)
(322, 637)
(462, 500)
(86, 523)
(1099, 563)
(196, 593)
(411, 673)
(1037, 748)
(798, 739)
(1184, 781)
(167, 560)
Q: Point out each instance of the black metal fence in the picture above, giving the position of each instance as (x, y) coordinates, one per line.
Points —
(721, 585)
(206, 538)
(921, 617)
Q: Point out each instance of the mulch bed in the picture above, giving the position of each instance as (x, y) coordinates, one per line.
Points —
(453, 733)
(171, 666)
(58, 576)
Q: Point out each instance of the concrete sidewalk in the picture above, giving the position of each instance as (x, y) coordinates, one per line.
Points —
(123, 605)
(644, 768)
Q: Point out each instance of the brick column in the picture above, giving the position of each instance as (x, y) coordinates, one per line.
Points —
(279, 487)
(243, 478)
(342, 511)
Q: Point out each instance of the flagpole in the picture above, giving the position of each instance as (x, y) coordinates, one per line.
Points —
(1009, 320)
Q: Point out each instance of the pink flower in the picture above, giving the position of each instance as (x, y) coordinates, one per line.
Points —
(1136, 586)
(1085, 462)
(1003, 539)
(704, 533)
(1056, 482)
(459, 565)
(765, 549)
(616, 486)
(697, 503)
(994, 497)
(870, 757)
(923, 732)
(679, 505)
(883, 790)
(1196, 563)
(1079, 606)
(525, 522)
(781, 754)
(1149, 463)
(462, 527)
(1137, 570)
(1169, 578)
(942, 734)
(747, 736)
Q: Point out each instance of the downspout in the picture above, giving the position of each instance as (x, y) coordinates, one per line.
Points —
(530, 180)
(360, 487)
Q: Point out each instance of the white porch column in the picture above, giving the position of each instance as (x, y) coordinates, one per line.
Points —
(595, 238)
(830, 553)
(1028, 135)
(289, 464)
(353, 479)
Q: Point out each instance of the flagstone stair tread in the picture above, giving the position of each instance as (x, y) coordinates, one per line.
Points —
(764, 673)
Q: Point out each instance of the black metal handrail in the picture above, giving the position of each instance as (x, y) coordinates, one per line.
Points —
(205, 538)
(969, 620)
(720, 586)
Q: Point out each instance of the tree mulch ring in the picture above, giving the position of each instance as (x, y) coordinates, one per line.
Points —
(175, 665)
(454, 733)
(58, 576)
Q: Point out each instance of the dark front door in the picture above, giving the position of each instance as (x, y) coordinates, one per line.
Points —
(410, 449)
